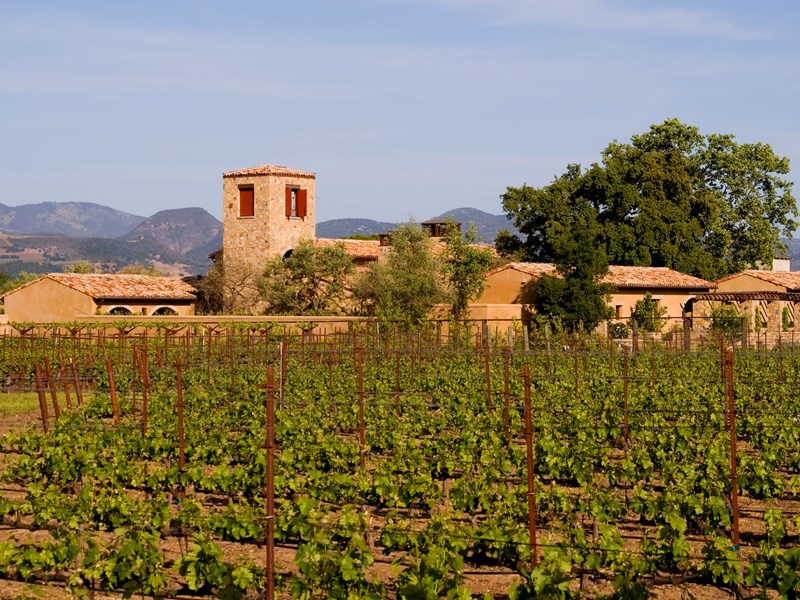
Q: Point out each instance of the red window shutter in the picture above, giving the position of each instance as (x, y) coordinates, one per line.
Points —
(288, 202)
(246, 202)
(302, 203)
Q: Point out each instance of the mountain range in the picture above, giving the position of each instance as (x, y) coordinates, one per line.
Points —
(51, 236)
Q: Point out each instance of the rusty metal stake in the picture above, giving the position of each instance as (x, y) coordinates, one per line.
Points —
(42, 400)
(362, 442)
(52, 386)
(729, 394)
(112, 386)
(270, 485)
(526, 374)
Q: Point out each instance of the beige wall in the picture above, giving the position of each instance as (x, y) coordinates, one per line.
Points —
(508, 286)
(672, 300)
(515, 287)
(253, 240)
(47, 301)
(747, 283)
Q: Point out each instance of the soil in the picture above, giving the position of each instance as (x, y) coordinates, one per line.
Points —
(495, 583)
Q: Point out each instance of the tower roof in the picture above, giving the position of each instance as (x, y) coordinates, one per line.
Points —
(265, 170)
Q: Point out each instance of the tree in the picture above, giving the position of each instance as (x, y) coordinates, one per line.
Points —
(704, 205)
(648, 315)
(81, 266)
(140, 269)
(465, 266)
(406, 285)
(576, 295)
(227, 289)
(310, 281)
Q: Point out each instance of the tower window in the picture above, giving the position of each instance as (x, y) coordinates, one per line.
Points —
(246, 202)
(296, 202)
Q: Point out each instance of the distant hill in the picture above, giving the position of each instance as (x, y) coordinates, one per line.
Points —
(51, 236)
(486, 224)
(341, 228)
(183, 233)
(77, 219)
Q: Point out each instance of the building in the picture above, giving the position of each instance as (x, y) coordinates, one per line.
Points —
(59, 297)
(768, 300)
(518, 283)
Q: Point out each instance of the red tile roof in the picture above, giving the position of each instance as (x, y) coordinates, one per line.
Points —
(357, 249)
(623, 277)
(787, 279)
(122, 287)
(270, 170)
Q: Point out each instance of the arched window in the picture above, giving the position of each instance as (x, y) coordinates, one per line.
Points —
(120, 310)
(165, 311)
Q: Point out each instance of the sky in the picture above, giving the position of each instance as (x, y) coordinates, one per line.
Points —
(403, 108)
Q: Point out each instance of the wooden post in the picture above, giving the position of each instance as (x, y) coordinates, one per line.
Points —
(526, 374)
(729, 394)
(62, 373)
(269, 492)
(362, 442)
(179, 391)
(77, 382)
(506, 394)
(487, 355)
(42, 399)
(112, 386)
(51, 384)
(625, 422)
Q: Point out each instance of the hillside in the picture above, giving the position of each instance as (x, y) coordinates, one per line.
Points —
(77, 219)
(187, 234)
(486, 224)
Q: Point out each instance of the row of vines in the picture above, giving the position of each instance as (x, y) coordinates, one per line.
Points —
(399, 467)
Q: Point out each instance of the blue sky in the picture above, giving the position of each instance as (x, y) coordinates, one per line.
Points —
(403, 108)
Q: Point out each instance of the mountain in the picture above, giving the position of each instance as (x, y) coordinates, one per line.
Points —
(77, 219)
(486, 224)
(181, 233)
(340, 228)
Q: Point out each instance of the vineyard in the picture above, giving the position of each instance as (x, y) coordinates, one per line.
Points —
(246, 462)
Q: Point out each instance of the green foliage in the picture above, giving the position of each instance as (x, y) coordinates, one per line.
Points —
(786, 319)
(576, 296)
(648, 315)
(310, 281)
(465, 267)
(726, 320)
(406, 285)
(7, 283)
(704, 205)
(81, 266)
(618, 331)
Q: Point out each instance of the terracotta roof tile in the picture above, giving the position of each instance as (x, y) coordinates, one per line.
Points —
(654, 277)
(363, 249)
(119, 287)
(269, 170)
(624, 277)
(788, 279)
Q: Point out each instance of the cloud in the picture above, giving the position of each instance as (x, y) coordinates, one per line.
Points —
(607, 15)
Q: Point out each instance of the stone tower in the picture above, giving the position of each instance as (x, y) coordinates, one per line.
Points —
(266, 211)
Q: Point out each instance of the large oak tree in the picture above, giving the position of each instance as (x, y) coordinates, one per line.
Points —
(672, 197)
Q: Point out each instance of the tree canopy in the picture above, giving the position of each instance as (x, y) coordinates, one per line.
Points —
(672, 197)
(406, 285)
(312, 280)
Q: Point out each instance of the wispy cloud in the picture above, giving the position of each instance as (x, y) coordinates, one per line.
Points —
(607, 15)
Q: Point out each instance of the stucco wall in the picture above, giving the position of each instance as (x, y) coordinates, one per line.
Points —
(747, 283)
(508, 287)
(672, 300)
(47, 301)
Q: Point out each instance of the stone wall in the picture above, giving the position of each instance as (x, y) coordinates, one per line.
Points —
(249, 241)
